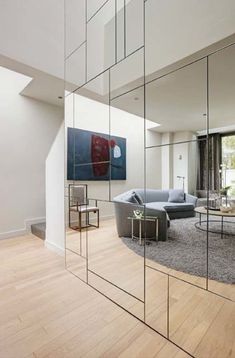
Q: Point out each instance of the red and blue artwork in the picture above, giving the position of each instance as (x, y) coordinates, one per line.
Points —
(95, 156)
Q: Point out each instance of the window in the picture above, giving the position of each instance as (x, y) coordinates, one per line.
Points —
(228, 162)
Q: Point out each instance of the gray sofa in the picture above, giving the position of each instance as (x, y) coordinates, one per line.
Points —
(155, 203)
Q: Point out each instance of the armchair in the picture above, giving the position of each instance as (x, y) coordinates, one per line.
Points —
(79, 203)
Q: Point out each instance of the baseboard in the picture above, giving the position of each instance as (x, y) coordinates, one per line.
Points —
(29, 222)
(24, 231)
(51, 246)
(13, 233)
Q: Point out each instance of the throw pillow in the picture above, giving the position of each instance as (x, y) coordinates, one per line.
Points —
(176, 196)
(138, 198)
(131, 198)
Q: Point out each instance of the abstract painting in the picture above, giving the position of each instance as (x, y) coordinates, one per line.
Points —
(95, 156)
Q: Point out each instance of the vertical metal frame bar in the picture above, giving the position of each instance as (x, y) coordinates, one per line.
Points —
(86, 24)
(208, 169)
(144, 149)
(124, 28)
(110, 150)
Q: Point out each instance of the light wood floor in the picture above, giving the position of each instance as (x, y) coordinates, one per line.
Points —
(201, 322)
(47, 312)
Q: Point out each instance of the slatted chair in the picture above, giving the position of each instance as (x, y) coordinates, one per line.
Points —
(79, 203)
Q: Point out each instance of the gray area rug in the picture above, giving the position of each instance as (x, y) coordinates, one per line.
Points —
(186, 250)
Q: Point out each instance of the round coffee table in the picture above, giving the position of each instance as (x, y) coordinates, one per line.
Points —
(201, 210)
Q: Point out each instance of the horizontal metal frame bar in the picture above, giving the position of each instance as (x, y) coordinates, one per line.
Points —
(113, 284)
(74, 252)
(103, 72)
(175, 143)
(156, 78)
(97, 11)
(190, 283)
(75, 50)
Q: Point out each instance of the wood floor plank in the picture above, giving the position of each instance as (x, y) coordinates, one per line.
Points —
(47, 312)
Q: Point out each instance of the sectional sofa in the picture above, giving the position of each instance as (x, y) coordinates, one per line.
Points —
(165, 204)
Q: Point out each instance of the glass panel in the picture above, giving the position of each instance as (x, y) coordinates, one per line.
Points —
(134, 25)
(120, 30)
(182, 247)
(126, 114)
(116, 261)
(75, 241)
(176, 103)
(75, 69)
(75, 24)
(156, 299)
(127, 74)
(198, 320)
(101, 40)
(89, 139)
(221, 265)
(93, 6)
(228, 163)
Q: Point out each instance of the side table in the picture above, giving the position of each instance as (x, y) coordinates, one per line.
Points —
(153, 219)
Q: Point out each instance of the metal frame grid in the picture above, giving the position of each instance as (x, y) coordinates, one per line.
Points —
(145, 148)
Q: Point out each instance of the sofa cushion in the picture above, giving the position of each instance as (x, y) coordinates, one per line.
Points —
(176, 196)
(152, 195)
(170, 207)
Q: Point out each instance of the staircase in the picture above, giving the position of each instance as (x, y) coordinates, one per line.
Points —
(39, 230)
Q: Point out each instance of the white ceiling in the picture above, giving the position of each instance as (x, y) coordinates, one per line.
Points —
(43, 87)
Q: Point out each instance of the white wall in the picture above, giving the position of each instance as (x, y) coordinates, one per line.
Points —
(32, 32)
(27, 129)
(55, 229)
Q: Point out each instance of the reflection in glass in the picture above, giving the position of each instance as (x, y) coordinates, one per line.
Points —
(101, 40)
(75, 23)
(89, 138)
(156, 300)
(177, 102)
(127, 121)
(171, 195)
(197, 319)
(221, 266)
(127, 75)
(75, 243)
(93, 6)
(134, 25)
(120, 30)
(115, 268)
(75, 69)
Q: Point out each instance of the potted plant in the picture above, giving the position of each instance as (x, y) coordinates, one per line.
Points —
(224, 193)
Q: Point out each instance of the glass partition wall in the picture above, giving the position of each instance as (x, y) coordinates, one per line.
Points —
(132, 135)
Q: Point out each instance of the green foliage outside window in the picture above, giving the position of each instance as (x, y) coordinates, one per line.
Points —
(228, 151)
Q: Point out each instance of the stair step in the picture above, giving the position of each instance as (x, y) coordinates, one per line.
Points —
(39, 230)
